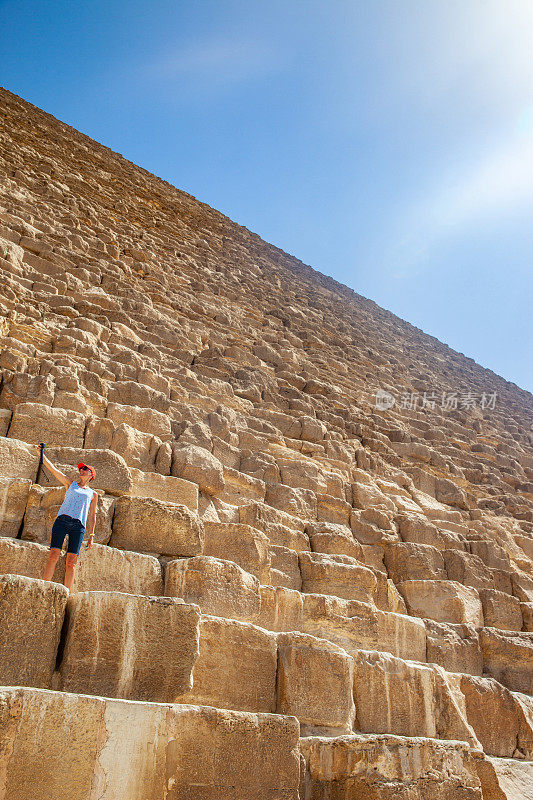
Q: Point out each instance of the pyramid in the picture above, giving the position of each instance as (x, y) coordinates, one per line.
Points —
(312, 576)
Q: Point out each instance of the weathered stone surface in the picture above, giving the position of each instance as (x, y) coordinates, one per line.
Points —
(443, 601)
(338, 575)
(500, 610)
(281, 609)
(123, 645)
(281, 528)
(388, 768)
(155, 526)
(508, 657)
(407, 561)
(505, 778)
(147, 420)
(326, 537)
(284, 568)
(13, 498)
(57, 427)
(236, 667)
(164, 487)
(112, 473)
(95, 744)
(32, 614)
(18, 460)
(100, 568)
(198, 465)
(456, 648)
(320, 705)
(246, 546)
(220, 588)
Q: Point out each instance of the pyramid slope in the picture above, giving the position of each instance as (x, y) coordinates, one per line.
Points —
(293, 593)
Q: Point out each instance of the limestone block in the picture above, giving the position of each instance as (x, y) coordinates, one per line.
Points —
(41, 511)
(112, 473)
(467, 569)
(367, 495)
(443, 601)
(500, 610)
(492, 555)
(360, 626)
(236, 667)
(239, 488)
(220, 588)
(32, 613)
(327, 537)
(282, 529)
(320, 705)
(508, 657)
(18, 460)
(5, 420)
(497, 718)
(337, 575)
(281, 609)
(284, 568)
(13, 498)
(522, 586)
(393, 696)
(386, 767)
(332, 509)
(373, 526)
(154, 526)
(123, 645)
(138, 449)
(198, 465)
(164, 487)
(419, 530)
(505, 778)
(147, 420)
(406, 561)
(100, 568)
(527, 616)
(246, 546)
(56, 427)
(98, 747)
(297, 502)
(131, 393)
(456, 648)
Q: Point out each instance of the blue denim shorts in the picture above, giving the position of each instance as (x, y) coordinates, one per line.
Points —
(67, 526)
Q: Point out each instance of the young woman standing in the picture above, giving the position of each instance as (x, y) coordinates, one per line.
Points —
(77, 511)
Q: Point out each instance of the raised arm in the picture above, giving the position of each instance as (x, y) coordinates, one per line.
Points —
(58, 475)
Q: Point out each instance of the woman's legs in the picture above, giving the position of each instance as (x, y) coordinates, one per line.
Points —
(70, 569)
(53, 557)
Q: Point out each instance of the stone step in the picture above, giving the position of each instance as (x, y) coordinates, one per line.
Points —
(140, 750)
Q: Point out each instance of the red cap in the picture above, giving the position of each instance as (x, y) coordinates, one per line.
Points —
(81, 464)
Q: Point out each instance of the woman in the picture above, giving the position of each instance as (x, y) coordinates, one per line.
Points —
(77, 509)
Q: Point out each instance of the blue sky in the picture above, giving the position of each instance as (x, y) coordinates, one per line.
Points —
(386, 143)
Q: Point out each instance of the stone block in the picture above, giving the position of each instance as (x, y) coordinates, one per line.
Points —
(100, 568)
(41, 511)
(497, 718)
(467, 569)
(155, 526)
(407, 561)
(281, 528)
(239, 488)
(508, 657)
(164, 487)
(284, 568)
(147, 420)
(236, 667)
(500, 610)
(281, 609)
(32, 613)
(456, 648)
(417, 529)
(385, 767)
(505, 778)
(112, 473)
(246, 546)
(18, 460)
(443, 601)
(326, 537)
(13, 498)
(134, 647)
(57, 427)
(98, 747)
(220, 588)
(320, 705)
(196, 464)
(297, 502)
(332, 509)
(338, 575)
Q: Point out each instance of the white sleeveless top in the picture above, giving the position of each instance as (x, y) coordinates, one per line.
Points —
(77, 501)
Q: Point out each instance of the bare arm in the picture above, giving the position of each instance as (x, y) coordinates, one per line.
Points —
(91, 520)
(58, 475)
